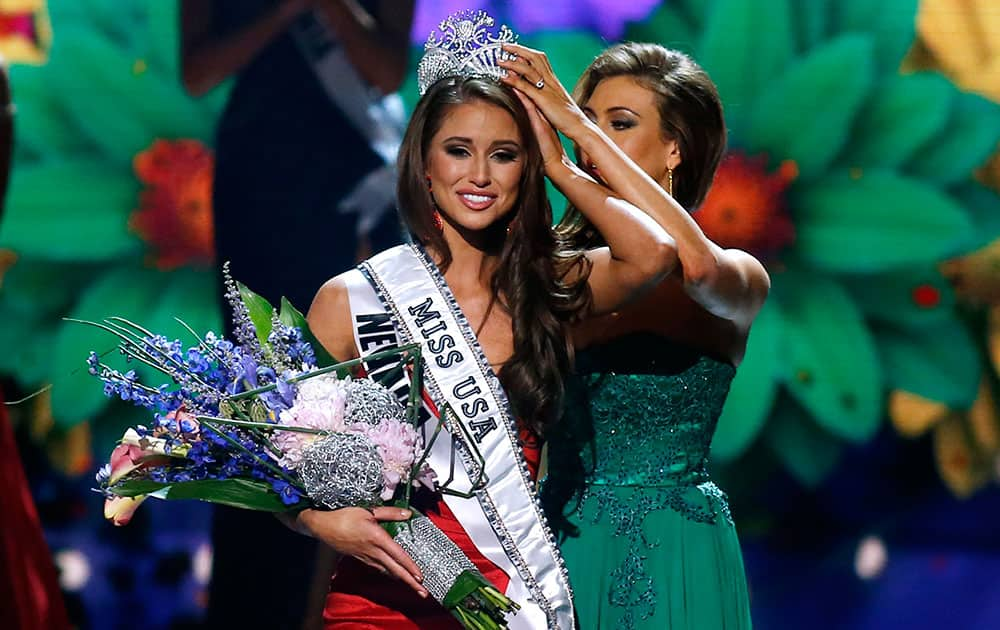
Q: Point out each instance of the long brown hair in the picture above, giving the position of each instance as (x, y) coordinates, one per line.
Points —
(538, 281)
(690, 114)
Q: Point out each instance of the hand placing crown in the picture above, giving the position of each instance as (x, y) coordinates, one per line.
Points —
(467, 45)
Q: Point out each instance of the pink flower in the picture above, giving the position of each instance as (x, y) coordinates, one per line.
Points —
(127, 457)
(134, 453)
(319, 404)
(399, 445)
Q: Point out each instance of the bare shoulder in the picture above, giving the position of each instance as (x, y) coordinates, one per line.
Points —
(329, 318)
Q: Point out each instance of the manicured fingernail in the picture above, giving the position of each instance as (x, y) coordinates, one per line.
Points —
(423, 594)
(404, 513)
(418, 577)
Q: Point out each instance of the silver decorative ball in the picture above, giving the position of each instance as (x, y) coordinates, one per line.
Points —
(370, 403)
(342, 470)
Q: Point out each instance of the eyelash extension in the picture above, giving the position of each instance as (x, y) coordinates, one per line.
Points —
(502, 156)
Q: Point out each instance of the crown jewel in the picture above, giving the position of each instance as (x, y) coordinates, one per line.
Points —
(467, 47)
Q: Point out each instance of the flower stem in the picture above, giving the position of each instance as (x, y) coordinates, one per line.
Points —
(332, 368)
(210, 422)
(249, 424)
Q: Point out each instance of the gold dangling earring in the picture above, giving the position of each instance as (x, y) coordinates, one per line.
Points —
(670, 181)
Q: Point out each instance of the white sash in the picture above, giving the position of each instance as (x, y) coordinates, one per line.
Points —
(380, 119)
(399, 296)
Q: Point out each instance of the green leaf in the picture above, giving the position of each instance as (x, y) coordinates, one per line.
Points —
(812, 21)
(41, 288)
(110, 20)
(969, 138)
(261, 312)
(806, 114)
(96, 72)
(744, 45)
(188, 295)
(939, 361)
(162, 21)
(892, 24)
(666, 26)
(753, 390)
(153, 90)
(910, 297)
(42, 124)
(27, 346)
(240, 493)
(291, 316)
(831, 366)
(127, 292)
(807, 452)
(165, 109)
(982, 205)
(901, 115)
(875, 220)
(69, 210)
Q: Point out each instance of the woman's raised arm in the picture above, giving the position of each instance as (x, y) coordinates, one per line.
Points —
(728, 283)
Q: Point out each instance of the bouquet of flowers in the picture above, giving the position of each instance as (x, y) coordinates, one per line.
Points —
(271, 422)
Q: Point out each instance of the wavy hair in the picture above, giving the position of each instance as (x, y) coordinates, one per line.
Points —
(540, 282)
(690, 114)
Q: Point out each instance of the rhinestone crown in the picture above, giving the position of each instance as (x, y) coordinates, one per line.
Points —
(468, 46)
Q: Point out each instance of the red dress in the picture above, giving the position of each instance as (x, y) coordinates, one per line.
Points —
(361, 598)
(29, 590)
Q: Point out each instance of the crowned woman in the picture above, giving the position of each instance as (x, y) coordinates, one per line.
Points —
(489, 292)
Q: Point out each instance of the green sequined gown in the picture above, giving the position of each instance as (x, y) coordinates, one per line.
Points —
(649, 540)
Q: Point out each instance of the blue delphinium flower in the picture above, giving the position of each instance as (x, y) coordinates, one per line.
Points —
(230, 469)
(265, 374)
(289, 494)
(196, 361)
(289, 347)
(93, 363)
(244, 330)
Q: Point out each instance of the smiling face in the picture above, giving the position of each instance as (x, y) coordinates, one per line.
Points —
(629, 114)
(474, 164)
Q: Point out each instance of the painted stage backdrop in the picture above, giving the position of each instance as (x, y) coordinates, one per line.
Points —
(861, 440)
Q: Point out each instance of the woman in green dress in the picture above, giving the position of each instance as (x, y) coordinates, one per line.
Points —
(648, 538)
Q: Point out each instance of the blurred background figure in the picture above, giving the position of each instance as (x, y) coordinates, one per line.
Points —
(305, 157)
(29, 590)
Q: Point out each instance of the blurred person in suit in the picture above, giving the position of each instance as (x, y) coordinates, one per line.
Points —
(304, 186)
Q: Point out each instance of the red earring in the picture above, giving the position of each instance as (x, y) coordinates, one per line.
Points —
(435, 215)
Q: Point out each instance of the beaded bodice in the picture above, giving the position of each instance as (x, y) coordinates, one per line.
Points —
(652, 419)
(640, 413)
